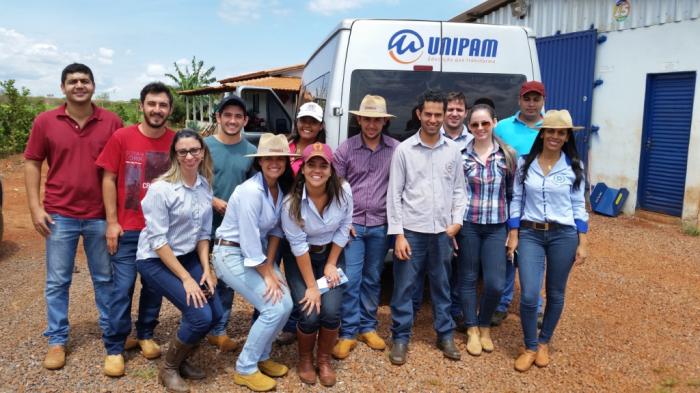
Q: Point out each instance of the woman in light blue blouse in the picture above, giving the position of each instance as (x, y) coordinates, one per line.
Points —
(244, 257)
(316, 219)
(173, 252)
(548, 220)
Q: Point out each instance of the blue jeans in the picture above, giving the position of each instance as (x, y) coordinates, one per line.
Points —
(226, 298)
(433, 253)
(329, 318)
(124, 278)
(285, 254)
(482, 249)
(455, 301)
(364, 261)
(228, 262)
(61, 247)
(559, 247)
(195, 322)
(507, 296)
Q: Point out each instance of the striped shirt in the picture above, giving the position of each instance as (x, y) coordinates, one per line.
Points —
(318, 230)
(486, 186)
(426, 187)
(177, 215)
(367, 172)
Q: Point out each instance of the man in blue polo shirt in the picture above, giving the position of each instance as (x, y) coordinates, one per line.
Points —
(520, 131)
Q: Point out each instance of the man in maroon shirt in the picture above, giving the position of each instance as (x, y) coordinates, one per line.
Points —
(133, 157)
(70, 138)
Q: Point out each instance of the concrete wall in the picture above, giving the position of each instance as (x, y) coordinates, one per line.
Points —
(623, 63)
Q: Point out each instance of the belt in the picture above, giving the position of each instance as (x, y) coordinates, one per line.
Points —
(319, 249)
(541, 226)
(222, 242)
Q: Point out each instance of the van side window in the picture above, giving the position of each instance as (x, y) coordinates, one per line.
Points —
(316, 91)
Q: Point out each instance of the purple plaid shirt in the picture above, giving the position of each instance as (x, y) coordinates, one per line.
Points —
(367, 172)
(486, 186)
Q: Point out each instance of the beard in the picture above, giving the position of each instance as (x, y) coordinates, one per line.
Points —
(155, 122)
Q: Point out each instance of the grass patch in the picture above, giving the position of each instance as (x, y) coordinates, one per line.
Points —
(433, 382)
(669, 382)
(691, 230)
(695, 383)
(145, 373)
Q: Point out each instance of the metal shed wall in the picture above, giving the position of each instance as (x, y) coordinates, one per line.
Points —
(546, 17)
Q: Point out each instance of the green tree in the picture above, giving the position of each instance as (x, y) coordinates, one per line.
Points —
(192, 78)
(17, 112)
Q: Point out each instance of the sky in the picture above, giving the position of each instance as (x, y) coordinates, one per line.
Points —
(129, 43)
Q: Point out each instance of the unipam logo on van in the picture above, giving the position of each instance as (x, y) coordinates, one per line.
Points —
(407, 46)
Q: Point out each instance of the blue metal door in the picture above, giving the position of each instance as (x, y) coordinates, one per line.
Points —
(668, 108)
(567, 63)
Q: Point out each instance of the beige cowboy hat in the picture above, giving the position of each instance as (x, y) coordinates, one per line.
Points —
(271, 145)
(557, 119)
(372, 106)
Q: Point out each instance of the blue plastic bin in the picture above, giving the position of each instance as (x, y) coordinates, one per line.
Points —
(608, 201)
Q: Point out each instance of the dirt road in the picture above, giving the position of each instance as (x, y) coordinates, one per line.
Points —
(631, 324)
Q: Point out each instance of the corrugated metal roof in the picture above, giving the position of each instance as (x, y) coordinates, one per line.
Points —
(547, 17)
(273, 82)
(279, 71)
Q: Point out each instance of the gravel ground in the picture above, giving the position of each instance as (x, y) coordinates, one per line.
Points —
(630, 324)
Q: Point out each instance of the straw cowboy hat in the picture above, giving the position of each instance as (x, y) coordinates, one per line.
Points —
(372, 106)
(557, 119)
(272, 145)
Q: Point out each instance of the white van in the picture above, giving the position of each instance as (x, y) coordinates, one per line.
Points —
(400, 59)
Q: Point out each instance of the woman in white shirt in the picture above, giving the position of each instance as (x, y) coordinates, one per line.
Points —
(316, 219)
(244, 257)
(173, 252)
(548, 219)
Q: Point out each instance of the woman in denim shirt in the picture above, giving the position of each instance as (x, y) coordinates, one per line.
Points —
(488, 168)
(244, 257)
(316, 219)
(548, 220)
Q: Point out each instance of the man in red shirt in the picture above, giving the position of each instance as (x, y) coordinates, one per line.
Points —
(133, 157)
(69, 138)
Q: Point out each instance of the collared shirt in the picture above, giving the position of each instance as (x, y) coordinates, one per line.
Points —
(332, 226)
(367, 172)
(550, 198)
(486, 185)
(426, 186)
(176, 215)
(73, 182)
(252, 215)
(462, 139)
(517, 134)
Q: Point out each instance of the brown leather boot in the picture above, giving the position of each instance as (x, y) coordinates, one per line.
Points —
(189, 370)
(169, 374)
(305, 367)
(326, 342)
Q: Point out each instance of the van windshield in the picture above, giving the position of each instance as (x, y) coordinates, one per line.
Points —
(401, 89)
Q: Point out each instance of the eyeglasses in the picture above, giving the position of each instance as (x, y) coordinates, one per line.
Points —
(195, 152)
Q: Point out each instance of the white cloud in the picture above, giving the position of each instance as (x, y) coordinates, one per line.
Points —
(328, 7)
(155, 70)
(104, 55)
(241, 11)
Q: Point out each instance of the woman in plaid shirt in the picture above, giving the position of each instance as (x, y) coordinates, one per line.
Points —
(488, 169)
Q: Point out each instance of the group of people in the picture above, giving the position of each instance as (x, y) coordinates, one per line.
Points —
(301, 232)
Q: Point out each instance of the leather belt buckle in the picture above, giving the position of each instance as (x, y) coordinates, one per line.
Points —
(223, 242)
(318, 249)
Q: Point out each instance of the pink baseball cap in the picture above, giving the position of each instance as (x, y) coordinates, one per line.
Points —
(318, 149)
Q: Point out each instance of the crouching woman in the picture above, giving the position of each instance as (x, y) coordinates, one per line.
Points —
(316, 219)
(244, 257)
(173, 252)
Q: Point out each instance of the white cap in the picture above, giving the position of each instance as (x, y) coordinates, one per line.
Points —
(311, 109)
